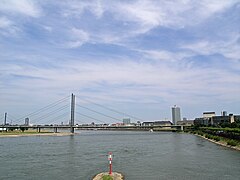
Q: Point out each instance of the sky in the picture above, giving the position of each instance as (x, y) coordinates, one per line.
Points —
(139, 57)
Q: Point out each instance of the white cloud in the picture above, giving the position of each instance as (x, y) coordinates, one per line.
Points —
(202, 47)
(25, 7)
(115, 22)
(78, 38)
(132, 80)
(210, 7)
(229, 48)
(77, 8)
(145, 13)
(164, 55)
(123, 81)
(7, 27)
(5, 23)
(48, 28)
(174, 14)
(98, 9)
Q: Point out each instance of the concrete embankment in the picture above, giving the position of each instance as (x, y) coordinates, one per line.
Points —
(115, 176)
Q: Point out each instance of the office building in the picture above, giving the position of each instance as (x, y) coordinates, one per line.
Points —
(224, 113)
(176, 115)
(208, 114)
(210, 118)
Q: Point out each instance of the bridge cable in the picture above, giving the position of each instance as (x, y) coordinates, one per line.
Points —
(43, 108)
(57, 118)
(91, 117)
(51, 113)
(98, 112)
(111, 109)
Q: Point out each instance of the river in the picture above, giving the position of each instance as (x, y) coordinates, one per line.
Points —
(138, 155)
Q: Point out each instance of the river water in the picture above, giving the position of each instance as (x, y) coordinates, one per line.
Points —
(138, 155)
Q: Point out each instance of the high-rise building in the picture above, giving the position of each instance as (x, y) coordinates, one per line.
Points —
(176, 115)
(224, 113)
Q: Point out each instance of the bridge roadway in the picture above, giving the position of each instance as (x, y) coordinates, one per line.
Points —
(94, 127)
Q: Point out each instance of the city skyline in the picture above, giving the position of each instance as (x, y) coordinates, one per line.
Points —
(139, 57)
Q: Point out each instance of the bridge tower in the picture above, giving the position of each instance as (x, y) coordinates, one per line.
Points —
(72, 113)
(5, 119)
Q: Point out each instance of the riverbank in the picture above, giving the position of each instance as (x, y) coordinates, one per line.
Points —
(31, 133)
(222, 143)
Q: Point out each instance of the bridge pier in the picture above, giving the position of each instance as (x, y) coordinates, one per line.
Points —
(55, 129)
(181, 128)
(38, 129)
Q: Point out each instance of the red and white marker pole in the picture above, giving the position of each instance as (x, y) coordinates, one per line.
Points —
(110, 162)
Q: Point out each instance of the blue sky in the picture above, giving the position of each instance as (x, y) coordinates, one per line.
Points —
(140, 57)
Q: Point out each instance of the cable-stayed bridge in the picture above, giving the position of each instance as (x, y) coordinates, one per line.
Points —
(73, 115)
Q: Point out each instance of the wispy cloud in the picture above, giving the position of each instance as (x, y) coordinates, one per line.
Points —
(7, 27)
(122, 20)
(230, 49)
(24, 7)
(78, 38)
(161, 77)
(77, 8)
(5, 23)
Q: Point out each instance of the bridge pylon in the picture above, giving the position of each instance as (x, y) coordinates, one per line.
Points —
(72, 113)
(5, 119)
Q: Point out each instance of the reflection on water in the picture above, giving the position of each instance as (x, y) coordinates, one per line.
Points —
(139, 155)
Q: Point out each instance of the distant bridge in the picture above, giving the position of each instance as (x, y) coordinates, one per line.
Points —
(84, 127)
(54, 108)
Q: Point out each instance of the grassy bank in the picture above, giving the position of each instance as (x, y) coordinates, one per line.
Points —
(216, 137)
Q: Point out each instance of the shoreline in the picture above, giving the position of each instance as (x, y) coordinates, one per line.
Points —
(219, 143)
(38, 134)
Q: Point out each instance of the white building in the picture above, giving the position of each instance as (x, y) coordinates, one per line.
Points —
(208, 114)
(176, 115)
